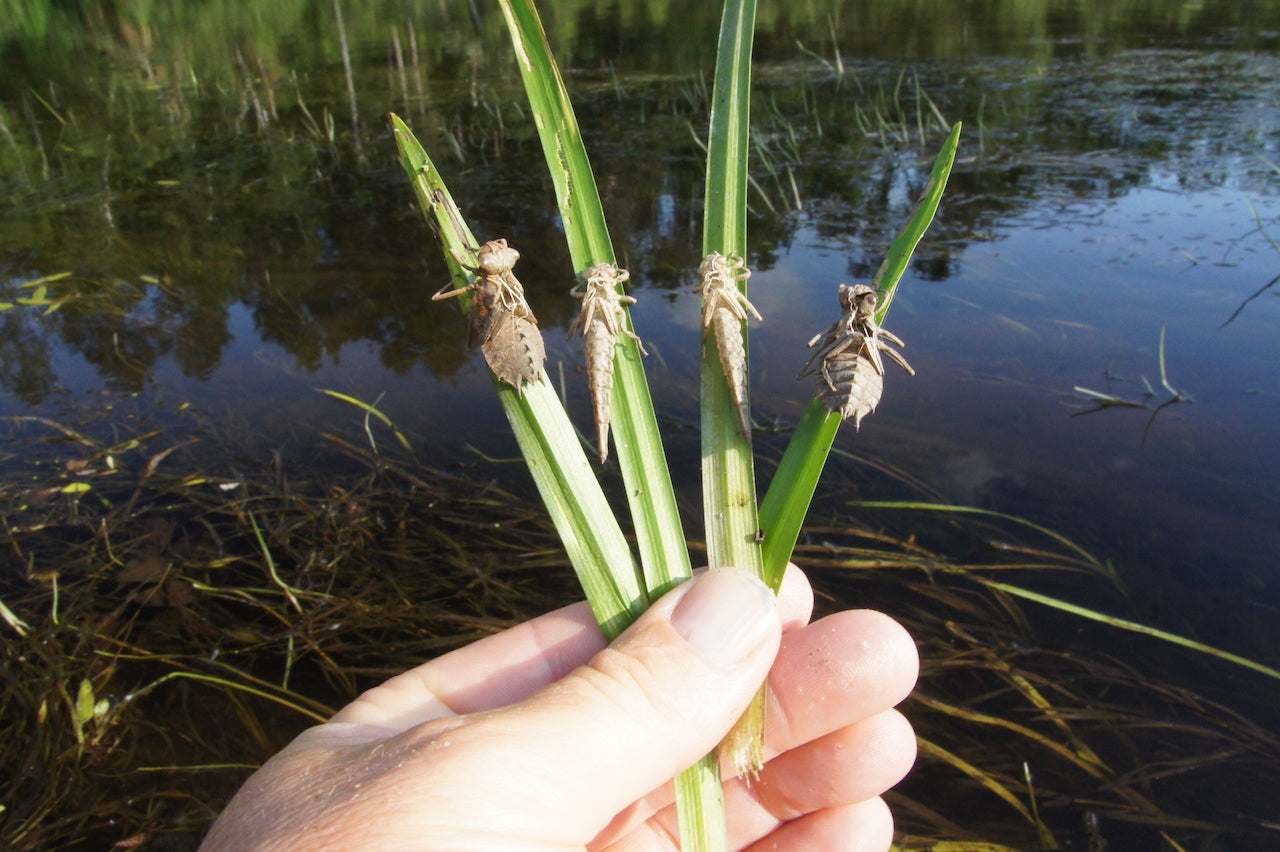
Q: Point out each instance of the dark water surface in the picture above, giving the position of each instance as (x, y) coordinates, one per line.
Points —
(237, 238)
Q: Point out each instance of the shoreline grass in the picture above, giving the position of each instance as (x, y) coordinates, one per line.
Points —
(162, 603)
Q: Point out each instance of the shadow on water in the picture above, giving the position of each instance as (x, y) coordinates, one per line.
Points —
(200, 231)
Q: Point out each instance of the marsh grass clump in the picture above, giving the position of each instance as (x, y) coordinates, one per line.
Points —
(175, 589)
(179, 589)
(1031, 743)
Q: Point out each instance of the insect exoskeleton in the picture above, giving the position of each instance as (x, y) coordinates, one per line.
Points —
(724, 309)
(500, 319)
(602, 318)
(496, 257)
(851, 371)
(850, 385)
(861, 300)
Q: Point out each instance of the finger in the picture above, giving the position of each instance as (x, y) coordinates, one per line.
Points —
(837, 671)
(862, 827)
(829, 675)
(491, 672)
(641, 711)
(852, 765)
(795, 599)
(510, 666)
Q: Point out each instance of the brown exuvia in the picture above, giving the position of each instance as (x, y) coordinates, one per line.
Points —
(848, 359)
(600, 321)
(724, 308)
(500, 319)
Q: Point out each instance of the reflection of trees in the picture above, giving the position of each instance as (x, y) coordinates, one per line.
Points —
(121, 328)
(201, 214)
(25, 360)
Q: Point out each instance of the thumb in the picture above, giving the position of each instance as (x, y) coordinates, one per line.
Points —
(642, 710)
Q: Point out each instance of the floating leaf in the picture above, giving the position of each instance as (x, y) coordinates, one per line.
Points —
(85, 700)
(47, 279)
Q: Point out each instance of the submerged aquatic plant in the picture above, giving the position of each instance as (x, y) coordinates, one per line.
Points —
(163, 607)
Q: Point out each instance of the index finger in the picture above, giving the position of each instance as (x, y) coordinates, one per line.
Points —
(491, 672)
(509, 666)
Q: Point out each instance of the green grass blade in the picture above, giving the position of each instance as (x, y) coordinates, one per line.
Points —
(661, 541)
(783, 510)
(370, 410)
(1131, 626)
(298, 703)
(901, 249)
(728, 474)
(728, 465)
(663, 549)
(790, 492)
(700, 802)
(728, 142)
(592, 538)
(577, 506)
(19, 626)
(1085, 555)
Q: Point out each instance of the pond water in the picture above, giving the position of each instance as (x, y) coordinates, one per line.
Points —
(239, 234)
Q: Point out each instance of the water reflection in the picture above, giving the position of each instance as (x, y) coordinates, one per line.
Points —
(1097, 199)
(1102, 193)
(328, 253)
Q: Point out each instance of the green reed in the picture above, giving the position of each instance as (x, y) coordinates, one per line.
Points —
(619, 586)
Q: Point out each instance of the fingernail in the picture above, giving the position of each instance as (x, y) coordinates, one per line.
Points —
(724, 615)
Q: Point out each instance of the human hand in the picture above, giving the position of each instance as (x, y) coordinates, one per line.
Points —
(541, 738)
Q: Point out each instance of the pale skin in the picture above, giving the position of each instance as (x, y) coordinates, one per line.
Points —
(543, 738)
